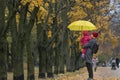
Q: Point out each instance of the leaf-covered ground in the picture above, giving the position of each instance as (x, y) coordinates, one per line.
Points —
(102, 73)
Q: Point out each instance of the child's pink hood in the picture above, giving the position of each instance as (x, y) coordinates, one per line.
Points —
(85, 33)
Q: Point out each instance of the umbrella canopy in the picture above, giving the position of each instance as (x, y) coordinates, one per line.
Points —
(81, 25)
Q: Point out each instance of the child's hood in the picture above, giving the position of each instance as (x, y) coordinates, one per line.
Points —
(85, 33)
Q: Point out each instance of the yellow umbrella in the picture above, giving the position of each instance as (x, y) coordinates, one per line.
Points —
(81, 25)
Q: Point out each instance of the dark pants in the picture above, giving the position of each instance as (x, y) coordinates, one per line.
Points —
(117, 63)
(90, 70)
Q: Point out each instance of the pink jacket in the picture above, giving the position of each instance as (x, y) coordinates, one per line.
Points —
(86, 37)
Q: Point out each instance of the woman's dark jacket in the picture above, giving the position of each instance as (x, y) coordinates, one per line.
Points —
(89, 54)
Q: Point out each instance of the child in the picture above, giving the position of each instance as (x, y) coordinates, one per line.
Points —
(95, 62)
(86, 37)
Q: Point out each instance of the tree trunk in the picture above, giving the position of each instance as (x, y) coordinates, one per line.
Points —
(17, 39)
(30, 59)
(72, 52)
(3, 56)
(67, 53)
(57, 60)
(50, 61)
(56, 41)
(9, 58)
(72, 58)
(42, 50)
(77, 56)
(17, 51)
(64, 38)
(3, 43)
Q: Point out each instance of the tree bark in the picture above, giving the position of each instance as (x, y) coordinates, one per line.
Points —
(64, 38)
(56, 41)
(30, 59)
(3, 61)
(30, 56)
(17, 39)
(72, 58)
(3, 43)
(42, 37)
(50, 62)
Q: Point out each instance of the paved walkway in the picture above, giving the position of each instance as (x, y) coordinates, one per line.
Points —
(106, 72)
(102, 73)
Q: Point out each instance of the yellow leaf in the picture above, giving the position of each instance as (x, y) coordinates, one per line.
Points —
(53, 1)
(46, 4)
(24, 1)
(31, 7)
(40, 2)
(49, 34)
(17, 18)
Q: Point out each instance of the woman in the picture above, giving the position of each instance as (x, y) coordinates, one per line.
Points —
(89, 54)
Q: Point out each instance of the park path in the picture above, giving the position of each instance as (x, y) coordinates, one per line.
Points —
(102, 73)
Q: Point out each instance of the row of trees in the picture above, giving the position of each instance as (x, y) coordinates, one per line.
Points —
(48, 20)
